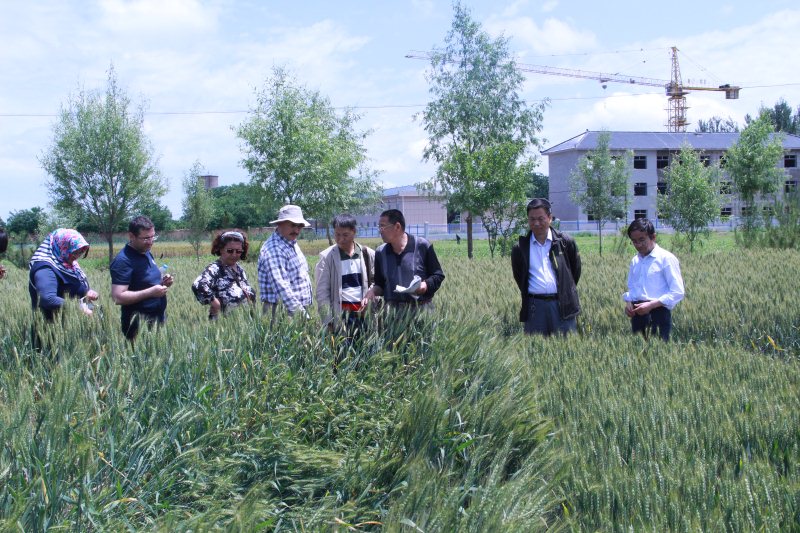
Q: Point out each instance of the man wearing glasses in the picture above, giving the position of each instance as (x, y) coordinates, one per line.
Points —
(137, 284)
(282, 267)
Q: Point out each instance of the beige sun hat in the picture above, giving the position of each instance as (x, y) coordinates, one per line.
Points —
(291, 213)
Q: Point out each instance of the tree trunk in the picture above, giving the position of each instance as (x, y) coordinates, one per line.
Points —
(328, 234)
(469, 235)
(110, 241)
(600, 235)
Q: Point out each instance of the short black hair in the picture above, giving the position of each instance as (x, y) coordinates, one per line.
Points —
(345, 220)
(139, 223)
(395, 216)
(642, 224)
(539, 203)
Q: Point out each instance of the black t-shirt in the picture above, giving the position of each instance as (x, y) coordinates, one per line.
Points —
(138, 271)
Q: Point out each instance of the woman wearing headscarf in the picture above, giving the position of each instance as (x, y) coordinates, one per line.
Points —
(55, 273)
(223, 284)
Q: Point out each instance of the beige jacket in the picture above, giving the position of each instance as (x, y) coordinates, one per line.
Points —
(328, 274)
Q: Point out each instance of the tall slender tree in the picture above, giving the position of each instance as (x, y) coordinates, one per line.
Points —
(599, 184)
(752, 164)
(480, 130)
(101, 165)
(198, 206)
(301, 151)
(692, 199)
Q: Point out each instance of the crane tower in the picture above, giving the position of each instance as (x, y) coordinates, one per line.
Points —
(675, 90)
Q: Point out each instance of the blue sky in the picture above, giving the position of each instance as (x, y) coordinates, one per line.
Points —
(196, 65)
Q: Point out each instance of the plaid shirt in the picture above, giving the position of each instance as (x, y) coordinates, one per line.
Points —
(283, 273)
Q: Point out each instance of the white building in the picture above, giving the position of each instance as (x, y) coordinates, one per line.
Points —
(652, 154)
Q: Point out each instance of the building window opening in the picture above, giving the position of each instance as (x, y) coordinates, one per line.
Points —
(640, 162)
(640, 189)
(640, 213)
(790, 161)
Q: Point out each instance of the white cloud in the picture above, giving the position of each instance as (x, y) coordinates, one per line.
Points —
(552, 36)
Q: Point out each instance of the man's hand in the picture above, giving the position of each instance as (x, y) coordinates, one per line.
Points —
(167, 280)
(646, 307)
(423, 288)
(629, 310)
(157, 291)
(2, 271)
(92, 295)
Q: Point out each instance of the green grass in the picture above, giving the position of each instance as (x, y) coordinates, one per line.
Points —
(467, 425)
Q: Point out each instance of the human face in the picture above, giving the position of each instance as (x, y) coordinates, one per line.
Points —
(289, 230)
(231, 253)
(389, 231)
(344, 238)
(77, 254)
(643, 243)
(144, 241)
(539, 223)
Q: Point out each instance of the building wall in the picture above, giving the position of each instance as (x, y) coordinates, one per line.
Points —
(563, 163)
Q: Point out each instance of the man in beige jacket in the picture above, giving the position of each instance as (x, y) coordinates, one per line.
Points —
(344, 274)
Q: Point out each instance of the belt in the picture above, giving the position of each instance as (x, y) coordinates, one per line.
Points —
(544, 296)
(352, 307)
(403, 303)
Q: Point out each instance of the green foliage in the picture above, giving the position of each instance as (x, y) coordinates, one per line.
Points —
(717, 125)
(786, 232)
(101, 165)
(692, 200)
(198, 207)
(780, 116)
(752, 165)
(300, 151)
(27, 223)
(599, 184)
(241, 205)
(480, 131)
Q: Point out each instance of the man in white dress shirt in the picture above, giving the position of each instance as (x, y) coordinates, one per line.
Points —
(655, 285)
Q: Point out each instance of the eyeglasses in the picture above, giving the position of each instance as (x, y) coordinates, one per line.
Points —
(384, 226)
(234, 251)
(153, 238)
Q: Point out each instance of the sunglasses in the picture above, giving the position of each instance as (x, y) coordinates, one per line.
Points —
(234, 251)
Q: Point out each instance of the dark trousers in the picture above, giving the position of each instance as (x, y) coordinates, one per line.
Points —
(545, 319)
(131, 322)
(659, 319)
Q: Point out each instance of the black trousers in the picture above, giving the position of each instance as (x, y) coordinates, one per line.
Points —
(659, 319)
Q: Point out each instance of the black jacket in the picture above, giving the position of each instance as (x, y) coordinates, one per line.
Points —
(566, 262)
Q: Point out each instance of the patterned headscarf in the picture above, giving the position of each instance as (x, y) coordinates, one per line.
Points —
(56, 249)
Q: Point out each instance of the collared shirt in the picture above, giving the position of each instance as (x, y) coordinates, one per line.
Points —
(352, 276)
(656, 276)
(283, 273)
(541, 277)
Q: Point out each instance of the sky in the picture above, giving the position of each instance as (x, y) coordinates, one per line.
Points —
(196, 67)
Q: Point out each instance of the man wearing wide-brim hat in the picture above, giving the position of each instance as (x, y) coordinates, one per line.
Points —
(282, 268)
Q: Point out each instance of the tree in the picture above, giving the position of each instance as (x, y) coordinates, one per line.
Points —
(717, 125)
(198, 206)
(480, 131)
(599, 184)
(692, 200)
(241, 205)
(539, 186)
(781, 117)
(101, 165)
(27, 223)
(751, 164)
(300, 151)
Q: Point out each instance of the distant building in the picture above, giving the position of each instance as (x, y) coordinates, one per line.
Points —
(652, 154)
(210, 181)
(418, 208)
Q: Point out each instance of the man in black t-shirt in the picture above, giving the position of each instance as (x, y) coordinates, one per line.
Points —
(137, 284)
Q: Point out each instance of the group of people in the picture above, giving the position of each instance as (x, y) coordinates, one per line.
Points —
(403, 274)
(350, 276)
(547, 267)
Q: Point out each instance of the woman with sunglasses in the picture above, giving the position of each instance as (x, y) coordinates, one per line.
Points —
(223, 284)
(55, 273)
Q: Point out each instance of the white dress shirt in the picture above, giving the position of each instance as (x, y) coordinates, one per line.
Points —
(541, 277)
(656, 276)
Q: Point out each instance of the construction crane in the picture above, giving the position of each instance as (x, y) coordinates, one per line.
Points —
(675, 90)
